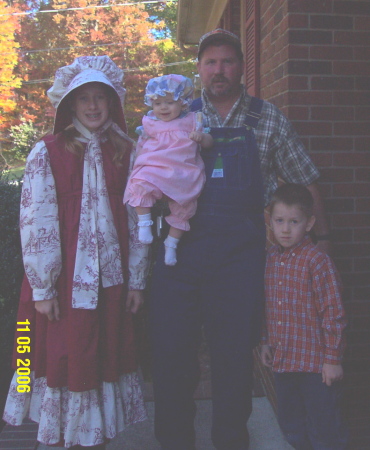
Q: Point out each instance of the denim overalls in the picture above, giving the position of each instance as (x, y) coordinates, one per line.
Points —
(217, 281)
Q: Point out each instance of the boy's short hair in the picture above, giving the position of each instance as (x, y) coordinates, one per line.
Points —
(293, 194)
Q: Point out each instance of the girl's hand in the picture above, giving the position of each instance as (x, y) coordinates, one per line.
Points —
(267, 355)
(134, 301)
(48, 307)
(331, 373)
(196, 136)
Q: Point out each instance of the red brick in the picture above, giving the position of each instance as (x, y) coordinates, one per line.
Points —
(330, 52)
(362, 23)
(298, 51)
(331, 22)
(351, 7)
(362, 144)
(363, 204)
(361, 293)
(362, 83)
(322, 159)
(362, 235)
(363, 113)
(310, 37)
(332, 113)
(331, 143)
(363, 174)
(312, 128)
(297, 82)
(363, 264)
(297, 112)
(351, 159)
(309, 67)
(313, 6)
(335, 175)
(351, 190)
(342, 235)
(352, 128)
(310, 98)
(351, 67)
(333, 83)
(351, 37)
(361, 53)
(351, 220)
(361, 323)
(298, 20)
(351, 98)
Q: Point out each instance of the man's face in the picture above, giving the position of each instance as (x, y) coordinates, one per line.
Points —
(220, 71)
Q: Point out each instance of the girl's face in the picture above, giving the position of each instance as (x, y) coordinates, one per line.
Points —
(91, 105)
(166, 108)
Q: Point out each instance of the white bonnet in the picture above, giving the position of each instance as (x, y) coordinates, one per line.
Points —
(179, 86)
(86, 69)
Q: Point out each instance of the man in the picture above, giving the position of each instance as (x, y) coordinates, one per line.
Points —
(218, 279)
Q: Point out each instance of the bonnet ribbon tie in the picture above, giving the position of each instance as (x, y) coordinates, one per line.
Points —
(98, 251)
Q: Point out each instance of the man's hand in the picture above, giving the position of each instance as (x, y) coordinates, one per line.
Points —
(331, 373)
(134, 301)
(48, 307)
(267, 355)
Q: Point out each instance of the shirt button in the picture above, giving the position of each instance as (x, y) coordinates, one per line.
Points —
(293, 254)
(279, 343)
(279, 303)
(280, 283)
(279, 323)
(282, 263)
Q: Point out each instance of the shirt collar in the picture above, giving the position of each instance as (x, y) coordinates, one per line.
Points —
(296, 248)
(210, 110)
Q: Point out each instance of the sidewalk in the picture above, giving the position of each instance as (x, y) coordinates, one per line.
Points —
(263, 428)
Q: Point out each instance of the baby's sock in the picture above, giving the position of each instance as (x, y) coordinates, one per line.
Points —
(145, 230)
(170, 245)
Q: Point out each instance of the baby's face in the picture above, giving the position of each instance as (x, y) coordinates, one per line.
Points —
(166, 108)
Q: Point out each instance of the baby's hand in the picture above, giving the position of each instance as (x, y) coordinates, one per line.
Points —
(331, 373)
(196, 136)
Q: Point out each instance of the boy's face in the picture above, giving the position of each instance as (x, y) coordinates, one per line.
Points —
(166, 108)
(289, 224)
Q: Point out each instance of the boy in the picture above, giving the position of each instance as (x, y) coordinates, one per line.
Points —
(303, 339)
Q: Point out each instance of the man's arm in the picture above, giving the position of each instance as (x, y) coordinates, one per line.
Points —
(321, 227)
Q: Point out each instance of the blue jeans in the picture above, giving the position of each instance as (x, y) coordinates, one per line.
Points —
(309, 411)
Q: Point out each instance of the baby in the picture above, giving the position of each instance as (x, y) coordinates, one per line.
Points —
(168, 162)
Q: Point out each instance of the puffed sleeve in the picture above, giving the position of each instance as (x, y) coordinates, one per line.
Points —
(39, 225)
(138, 252)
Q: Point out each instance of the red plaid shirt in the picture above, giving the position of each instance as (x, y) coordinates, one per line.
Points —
(305, 318)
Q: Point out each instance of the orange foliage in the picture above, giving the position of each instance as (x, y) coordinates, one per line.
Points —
(9, 59)
(123, 33)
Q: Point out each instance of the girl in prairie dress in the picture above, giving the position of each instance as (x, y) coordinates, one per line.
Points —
(85, 268)
(168, 163)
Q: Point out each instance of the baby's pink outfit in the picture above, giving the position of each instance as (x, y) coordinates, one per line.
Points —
(168, 163)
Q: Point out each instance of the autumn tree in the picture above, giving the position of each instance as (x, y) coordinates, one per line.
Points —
(50, 40)
(9, 59)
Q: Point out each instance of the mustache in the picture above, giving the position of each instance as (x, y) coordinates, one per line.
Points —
(219, 78)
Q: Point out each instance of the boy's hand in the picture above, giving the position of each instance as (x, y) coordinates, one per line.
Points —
(331, 373)
(48, 307)
(196, 136)
(134, 301)
(267, 355)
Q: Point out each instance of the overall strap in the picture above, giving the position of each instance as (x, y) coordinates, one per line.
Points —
(254, 114)
(196, 105)
(252, 117)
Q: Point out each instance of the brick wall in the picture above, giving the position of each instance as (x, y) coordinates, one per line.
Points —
(315, 67)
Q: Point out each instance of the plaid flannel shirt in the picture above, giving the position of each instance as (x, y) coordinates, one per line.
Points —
(305, 317)
(281, 151)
